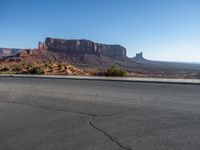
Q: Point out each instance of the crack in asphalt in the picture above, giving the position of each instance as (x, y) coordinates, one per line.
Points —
(108, 135)
(77, 112)
(59, 110)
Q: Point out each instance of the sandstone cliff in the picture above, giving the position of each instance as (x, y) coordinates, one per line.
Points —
(82, 47)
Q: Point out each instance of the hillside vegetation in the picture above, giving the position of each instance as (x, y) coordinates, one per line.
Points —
(43, 68)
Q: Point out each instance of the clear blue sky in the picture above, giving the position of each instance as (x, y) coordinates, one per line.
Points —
(162, 29)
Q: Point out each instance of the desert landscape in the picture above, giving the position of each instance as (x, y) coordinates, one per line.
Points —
(84, 57)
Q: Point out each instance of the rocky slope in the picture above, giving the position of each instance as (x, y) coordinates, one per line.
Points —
(40, 68)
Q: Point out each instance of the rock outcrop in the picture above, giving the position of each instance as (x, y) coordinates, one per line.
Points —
(82, 47)
(4, 52)
(139, 57)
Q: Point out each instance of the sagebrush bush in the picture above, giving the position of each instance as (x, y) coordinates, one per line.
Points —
(37, 70)
(116, 72)
(4, 68)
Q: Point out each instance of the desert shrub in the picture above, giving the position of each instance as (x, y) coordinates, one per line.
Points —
(16, 68)
(116, 72)
(4, 68)
(46, 65)
(100, 73)
(37, 70)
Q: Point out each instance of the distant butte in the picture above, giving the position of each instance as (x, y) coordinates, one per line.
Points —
(139, 57)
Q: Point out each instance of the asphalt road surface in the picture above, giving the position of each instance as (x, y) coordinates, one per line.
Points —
(63, 114)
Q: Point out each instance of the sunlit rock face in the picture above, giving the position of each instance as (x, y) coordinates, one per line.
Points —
(83, 47)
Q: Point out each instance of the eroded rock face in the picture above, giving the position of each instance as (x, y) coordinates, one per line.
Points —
(82, 47)
(8, 52)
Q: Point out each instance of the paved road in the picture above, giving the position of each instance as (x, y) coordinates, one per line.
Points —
(63, 114)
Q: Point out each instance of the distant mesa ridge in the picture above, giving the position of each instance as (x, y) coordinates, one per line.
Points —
(82, 47)
(4, 52)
